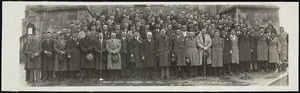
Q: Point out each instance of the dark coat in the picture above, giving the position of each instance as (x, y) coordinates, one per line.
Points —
(179, 50)
(125, 52)
(100, 54)
(136, 47)
(25, 55)
(31, 49)
(87, 47)
(73, 49)
(244, 47)
(164, 50)
(149, 50)
(253, 43)
(48, 61)
(227, 48)
(60, 46)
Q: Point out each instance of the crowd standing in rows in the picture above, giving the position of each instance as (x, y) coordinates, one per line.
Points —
(131, 44)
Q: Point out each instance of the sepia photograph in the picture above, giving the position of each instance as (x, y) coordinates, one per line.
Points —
(74, 45)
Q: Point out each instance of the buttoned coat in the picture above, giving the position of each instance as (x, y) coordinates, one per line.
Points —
(136, 48)
(227, 48)
(191, 51)
(262, 47)
(164, 51)
(87, 47)
(179, 50)
(113, 45)
(217, 51)
(33, 47)
(73, 49)
(48, 61)
(274, 48)
(60, 46)
(244, 47)
(149, 52)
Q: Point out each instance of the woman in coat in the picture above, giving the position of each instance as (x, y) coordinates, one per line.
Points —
(234, 51)
(262, 50)
(136, 53)
(217, 53)
(244, 50)
(48, 57)
(33, 50)
(274, 50)
(60, 63)
(179, 52)
(164, 55)
(192, 53)
(113, 47)
(87, 47)
(149, 49)
(74, 55)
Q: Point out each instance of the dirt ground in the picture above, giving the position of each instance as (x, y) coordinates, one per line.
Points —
(257, 79)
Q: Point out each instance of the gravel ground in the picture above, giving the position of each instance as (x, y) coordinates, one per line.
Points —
(256, 79)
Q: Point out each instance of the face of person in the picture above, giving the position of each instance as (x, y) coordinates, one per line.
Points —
(88, 33)
(93, 28)
(105, 27)
(203, 31)
(244, 30)
(48, 35)
(178, 32)
(184, 28)
(117, 27)
(100, 35)
(149, 36)
(54, 35)
(124, 34)
(273, 35)
(261, 30)
(136, 34)
(217, 33)
(75, 35)
(147, 27)
(113, 35)
(232, 32)
(29, 37)
(169, 27)
(163, 32)
(61, 37)
(281, 29)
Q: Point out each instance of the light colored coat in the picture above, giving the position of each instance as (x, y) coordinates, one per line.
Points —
(283, 38)
(234, 49)
(201, 43)
(113, 45)
(274, 48)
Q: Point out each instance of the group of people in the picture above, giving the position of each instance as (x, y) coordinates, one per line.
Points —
(127, 44)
